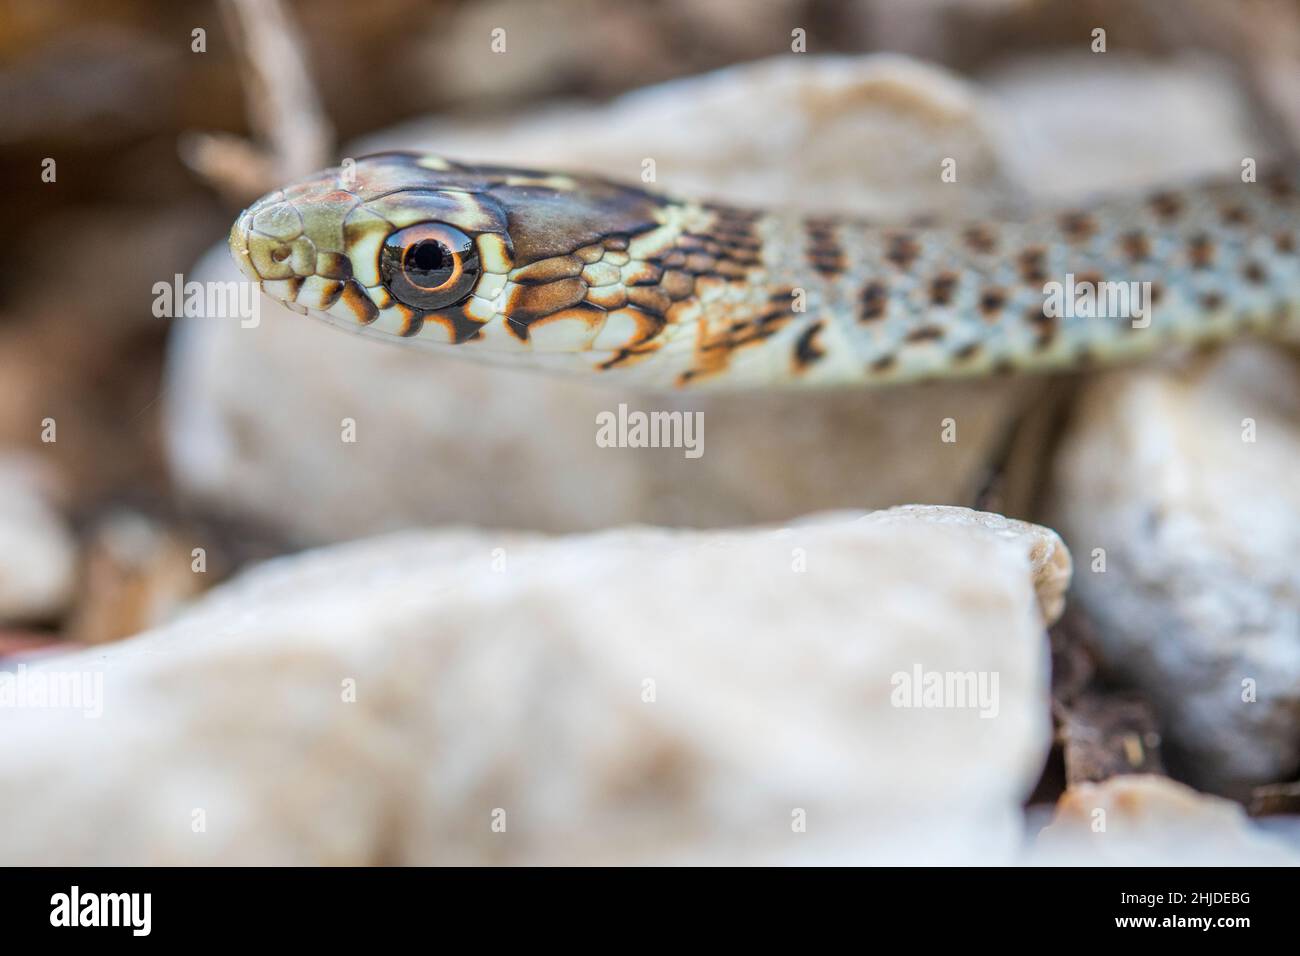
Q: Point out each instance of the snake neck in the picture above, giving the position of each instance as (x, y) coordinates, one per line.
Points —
(746, 299)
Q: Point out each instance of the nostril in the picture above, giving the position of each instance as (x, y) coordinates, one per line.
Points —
(280, 253)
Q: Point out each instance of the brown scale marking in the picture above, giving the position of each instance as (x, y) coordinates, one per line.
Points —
(706, 274)
(1234, 216)
(412, 323)
(617, 243)
(649, 299)
(530, 302)
(1212, 301)
(654, 274)
(740, 332)
(549, 270)
(1032, 264)
(1157, 293)
(942, 288)
(1255, 273)
(1166, 205)
(1092, 277)
(731, 269)
(884, 363)
(1284, 243)
(330, 294)
(628, 356)
(733, 338)
(874, 300)
(902, 249)
(1046, 336)
(737, 233)
(333, 265)
(926, 333)
(354, 297)
(699, 263)
(1200, 250)
(980, 238)
(806, 349)
(673, 258)
(991, 303)
(460, 328)
(1078, 226)
(824, 251)
(678, 285)
(745, 242)
(967, 352)
(1136, 246)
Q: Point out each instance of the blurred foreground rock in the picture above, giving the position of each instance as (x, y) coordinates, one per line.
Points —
(636, 696)
(1143, 820)
(1185, 479)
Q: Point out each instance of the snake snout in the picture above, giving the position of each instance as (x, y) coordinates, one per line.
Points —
(239, 246)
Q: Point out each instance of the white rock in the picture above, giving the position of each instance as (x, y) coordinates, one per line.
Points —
(1143, 820)
(636, 696)
(38, 556)
(1199, 603)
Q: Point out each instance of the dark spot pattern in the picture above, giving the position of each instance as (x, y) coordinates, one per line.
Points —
(903, 250)
(942, 287)
(873, 300)
(1136, 246)
(806, 349)
(1200, 251)
(1033, 267)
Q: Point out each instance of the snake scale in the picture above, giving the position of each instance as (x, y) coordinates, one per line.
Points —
(589, 276)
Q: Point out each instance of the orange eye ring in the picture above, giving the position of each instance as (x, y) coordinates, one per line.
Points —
(429, 266)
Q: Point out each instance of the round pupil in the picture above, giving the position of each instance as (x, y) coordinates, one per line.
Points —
(426, 260)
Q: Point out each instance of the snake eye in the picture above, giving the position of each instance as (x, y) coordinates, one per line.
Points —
(429, 265)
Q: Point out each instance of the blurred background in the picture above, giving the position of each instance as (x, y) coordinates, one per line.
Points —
(158, 144)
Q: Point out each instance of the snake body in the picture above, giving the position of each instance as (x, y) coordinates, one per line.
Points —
(615, 282)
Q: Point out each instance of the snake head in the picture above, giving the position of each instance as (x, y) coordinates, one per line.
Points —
(421, 248)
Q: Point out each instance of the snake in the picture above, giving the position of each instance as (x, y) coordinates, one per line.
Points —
(616, 282)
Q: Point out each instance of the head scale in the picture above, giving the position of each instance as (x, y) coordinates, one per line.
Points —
(414, 246)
